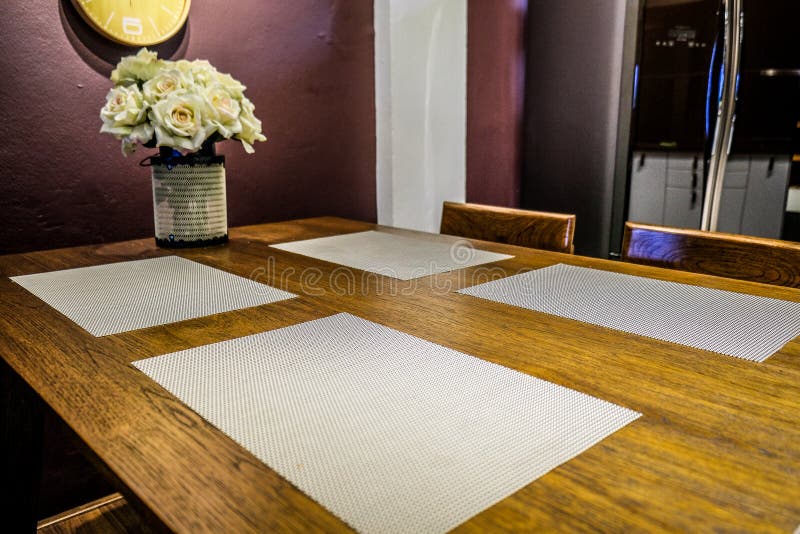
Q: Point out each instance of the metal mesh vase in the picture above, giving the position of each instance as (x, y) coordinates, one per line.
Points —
(189, 205)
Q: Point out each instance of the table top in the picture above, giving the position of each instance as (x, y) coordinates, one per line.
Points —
(717, 447)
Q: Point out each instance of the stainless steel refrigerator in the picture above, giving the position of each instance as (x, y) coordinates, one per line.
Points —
(707, 116)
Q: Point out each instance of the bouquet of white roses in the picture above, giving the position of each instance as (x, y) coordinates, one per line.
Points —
(178, 104)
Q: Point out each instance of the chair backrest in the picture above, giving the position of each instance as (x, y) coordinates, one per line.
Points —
(757, 259)
(534, 229)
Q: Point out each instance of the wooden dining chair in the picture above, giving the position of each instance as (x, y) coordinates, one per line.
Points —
(533, 229)
(757, 259)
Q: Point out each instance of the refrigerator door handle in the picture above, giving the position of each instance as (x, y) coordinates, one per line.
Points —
(730, 138)
(726, 113)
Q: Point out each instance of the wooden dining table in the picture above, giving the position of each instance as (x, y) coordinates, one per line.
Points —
(717, 447)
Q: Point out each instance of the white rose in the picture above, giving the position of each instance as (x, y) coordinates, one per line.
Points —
(203, 72)
(139, 68)
(178, 104)
(141, 133)
(178, 121)
(164, 83)
(125, 108)
(251, 126)
(183, 66)
(223, 112)
(234, 87)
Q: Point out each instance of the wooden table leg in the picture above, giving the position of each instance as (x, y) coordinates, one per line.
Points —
(20, 452)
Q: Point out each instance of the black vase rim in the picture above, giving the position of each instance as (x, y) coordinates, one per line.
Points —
(207, 155)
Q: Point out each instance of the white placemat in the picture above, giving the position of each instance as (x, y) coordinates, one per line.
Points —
(391, 254)
(389, 432)
(118, 297)
(735, 324)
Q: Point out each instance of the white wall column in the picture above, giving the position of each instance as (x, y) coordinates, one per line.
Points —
(420, 103)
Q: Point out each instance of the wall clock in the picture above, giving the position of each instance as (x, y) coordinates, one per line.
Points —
(135, 22)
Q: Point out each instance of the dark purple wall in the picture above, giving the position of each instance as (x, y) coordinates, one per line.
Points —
(307, 65)
(495, 90)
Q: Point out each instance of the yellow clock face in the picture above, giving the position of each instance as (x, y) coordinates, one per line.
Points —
(135, 22)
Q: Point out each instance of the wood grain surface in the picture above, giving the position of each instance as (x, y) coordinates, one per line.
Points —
(535, 229)
(717, 448)
(757, 259)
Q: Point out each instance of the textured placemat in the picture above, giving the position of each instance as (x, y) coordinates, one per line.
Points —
(735, 324)
(118, 297)
(389, 432)
(391, 254)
